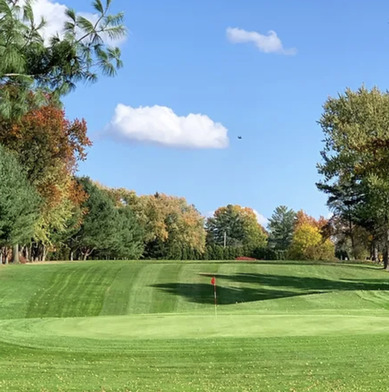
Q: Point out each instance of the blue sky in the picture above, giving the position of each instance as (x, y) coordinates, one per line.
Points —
(181, 61)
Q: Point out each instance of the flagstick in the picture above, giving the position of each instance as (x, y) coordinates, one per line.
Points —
(214, 294)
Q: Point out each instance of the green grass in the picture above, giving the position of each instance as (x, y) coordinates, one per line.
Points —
(151, 326)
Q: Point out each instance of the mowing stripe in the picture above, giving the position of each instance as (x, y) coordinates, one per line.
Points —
(117, 295)
(142, 290)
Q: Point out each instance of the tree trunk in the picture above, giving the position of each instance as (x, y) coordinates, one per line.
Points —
(34, 252)
(386, 246)
(375, 253)
(385, 257)
(71, 256)
(351, 232)
(44, 253)
(87, 253)
(15, 254)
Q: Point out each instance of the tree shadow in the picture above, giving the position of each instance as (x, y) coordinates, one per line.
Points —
(352, 264)
(260, 287)
(203, 293)
(307, 283)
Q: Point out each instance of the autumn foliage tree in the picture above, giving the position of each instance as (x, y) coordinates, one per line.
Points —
(309, 240)
(49, 146)
(170, 225)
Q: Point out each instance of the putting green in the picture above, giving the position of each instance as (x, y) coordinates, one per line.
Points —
(45, 332)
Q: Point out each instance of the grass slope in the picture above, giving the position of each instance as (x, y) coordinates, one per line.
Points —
(151, 326)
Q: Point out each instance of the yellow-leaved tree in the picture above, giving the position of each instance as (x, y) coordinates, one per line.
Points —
(309, 240)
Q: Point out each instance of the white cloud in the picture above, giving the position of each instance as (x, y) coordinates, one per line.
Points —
(160, 125)
(54, 15)
(269, 43)
(261, 219)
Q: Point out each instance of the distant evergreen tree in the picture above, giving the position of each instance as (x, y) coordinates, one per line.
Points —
(281, 227)
(173, 251)
(19, 202)
(98, 230)
(128, 237)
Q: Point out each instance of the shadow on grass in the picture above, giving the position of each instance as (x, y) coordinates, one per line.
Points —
(203, 293)
(263, 287)
(355, 264)
(307, 283)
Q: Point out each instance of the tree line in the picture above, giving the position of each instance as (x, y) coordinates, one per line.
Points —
(105, 223)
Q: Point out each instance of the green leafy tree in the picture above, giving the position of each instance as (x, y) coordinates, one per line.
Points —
(19, 203)
(236, 226)
(31, 69)
(106, 230)
(356, 155)
(281, 228)
(345, 200)
(358, 245)
(128, 240)
(98, 228)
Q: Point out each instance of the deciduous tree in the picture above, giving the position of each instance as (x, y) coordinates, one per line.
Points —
(308, 244)
(356, 154)
(236, 225)
(49, 147)
(170, 225)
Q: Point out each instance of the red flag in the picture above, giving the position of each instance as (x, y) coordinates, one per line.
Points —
(213, 281)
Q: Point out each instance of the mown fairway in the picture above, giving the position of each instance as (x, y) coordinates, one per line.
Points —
(151, 326)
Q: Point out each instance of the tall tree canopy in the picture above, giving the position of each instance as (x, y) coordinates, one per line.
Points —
(33, 68)
(355, 159)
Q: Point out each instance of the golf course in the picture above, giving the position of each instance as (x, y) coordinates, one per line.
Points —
(153, 326)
